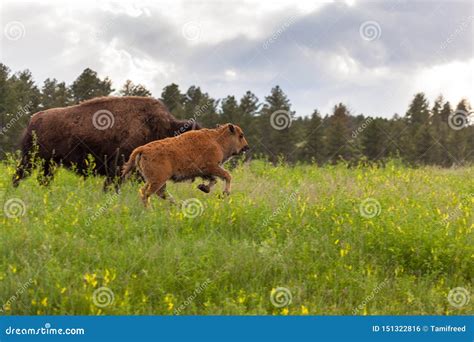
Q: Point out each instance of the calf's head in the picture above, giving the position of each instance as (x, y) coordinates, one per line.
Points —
(234, 138)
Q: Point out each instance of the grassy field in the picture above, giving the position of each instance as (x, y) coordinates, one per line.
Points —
(289, 240)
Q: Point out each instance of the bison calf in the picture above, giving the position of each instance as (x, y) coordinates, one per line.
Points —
(190, 155)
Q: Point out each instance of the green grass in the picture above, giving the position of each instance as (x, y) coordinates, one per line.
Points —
(294, 227)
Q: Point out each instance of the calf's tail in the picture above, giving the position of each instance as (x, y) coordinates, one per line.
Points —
(132, 162)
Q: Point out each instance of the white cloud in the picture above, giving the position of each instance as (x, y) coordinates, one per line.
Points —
(454, 80)
(123, 66)
(316, 53)
(230, 74)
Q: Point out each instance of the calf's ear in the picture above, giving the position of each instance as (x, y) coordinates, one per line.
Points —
(231, 128)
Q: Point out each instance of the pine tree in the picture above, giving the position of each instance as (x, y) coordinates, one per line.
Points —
(249, 107)
(374, 140)
(26, 92)
(418, 112)
(446, 112)
(277, 138)
(439, 133)
(174, 100)
(230, 111)
(4, 93)
(460, 142)
(130, 89)
(338, 136)
(54, 94)
(88, 85)
(22, 99)
(444, 156)
(416, 140)
(5, 97)
(424, 144)
(436, 118)
(201, 107)
(313, 146)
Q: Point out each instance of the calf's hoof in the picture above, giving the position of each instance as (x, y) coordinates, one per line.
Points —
(226, 193)
(204, 188)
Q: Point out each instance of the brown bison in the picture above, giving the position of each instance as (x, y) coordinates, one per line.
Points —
(190, 155)
(107, 128)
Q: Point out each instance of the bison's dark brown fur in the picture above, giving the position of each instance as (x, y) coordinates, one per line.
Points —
(108, 128)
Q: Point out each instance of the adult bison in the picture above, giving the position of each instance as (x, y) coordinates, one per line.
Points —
(107, 128)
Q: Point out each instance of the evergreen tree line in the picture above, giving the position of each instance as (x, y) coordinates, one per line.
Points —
(426, 135)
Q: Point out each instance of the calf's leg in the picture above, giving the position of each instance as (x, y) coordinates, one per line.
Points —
(143, 195)
(157, 188)
(162, 193)
(225, 175)
(207, 187)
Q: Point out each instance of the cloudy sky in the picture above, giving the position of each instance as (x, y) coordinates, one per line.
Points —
(371, 55)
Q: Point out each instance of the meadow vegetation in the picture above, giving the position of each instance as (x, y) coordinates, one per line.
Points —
(338, 240)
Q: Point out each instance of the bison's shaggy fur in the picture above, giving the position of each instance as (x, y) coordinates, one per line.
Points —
(108, 128)
(190, 155)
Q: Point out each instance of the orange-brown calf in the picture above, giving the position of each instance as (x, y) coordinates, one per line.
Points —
(187, 156)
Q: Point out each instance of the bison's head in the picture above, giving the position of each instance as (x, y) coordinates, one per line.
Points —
(234, 138)
(182, 126)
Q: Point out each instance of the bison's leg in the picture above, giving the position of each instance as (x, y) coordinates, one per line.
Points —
(47, 175)
(26, 164)
(118, 183)
(109, 174)
(118, 179)
(115, 180)
(113, 172)
(117, 171)
(223, 174)
(108, 180)
(23, 169)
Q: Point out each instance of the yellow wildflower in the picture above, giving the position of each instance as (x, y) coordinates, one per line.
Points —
(44, 302)
(91, 279)
(169, 301)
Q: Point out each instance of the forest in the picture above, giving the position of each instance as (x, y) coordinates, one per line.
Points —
(438, 133)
